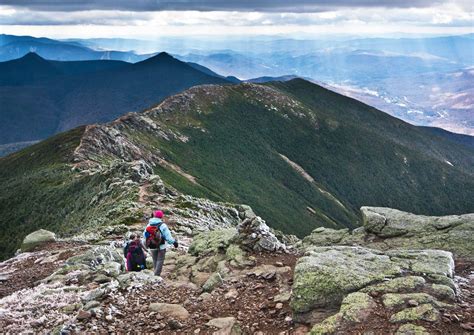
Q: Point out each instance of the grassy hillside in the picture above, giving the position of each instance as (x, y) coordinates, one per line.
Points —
(358, 155)
(300, 155)
(39, 189)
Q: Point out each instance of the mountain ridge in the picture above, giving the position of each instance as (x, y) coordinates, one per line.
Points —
(300, 155)
(56, 96)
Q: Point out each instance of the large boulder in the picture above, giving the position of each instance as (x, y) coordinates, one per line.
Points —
(388, 222)
(37, 238)
(386, 229)
(326, 274)
(212, 242)
(325, 278)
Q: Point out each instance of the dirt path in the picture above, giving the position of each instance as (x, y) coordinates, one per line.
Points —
(249, 298)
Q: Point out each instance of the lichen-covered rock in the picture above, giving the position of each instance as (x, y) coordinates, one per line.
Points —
(388, 229)
(237, 257)
(212, 282)
(425, 312)
(326, 274)
(405, 230)
(396, 285)
(355, 308)
(254, 234)
(37, 238)
(393, 300)
(411, 329)
(322, 237)
(443, 292)
(432, 262)
(212, 242)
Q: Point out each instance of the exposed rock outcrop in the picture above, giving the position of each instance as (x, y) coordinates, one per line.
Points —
(361, 285)
(254, 234)
(386, 228)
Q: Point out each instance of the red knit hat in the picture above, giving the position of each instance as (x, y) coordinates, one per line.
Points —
(158, 214)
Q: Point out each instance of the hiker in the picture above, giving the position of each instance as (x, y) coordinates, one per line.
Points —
(134, 253)
(158, 236)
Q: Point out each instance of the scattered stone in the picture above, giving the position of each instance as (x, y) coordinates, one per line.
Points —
(101, 278)
(83, 315)
(279, 305)
(91, 304)
(205, 296)
(174, 324)
(283, 296)
(214, 281)
(231, 294)
(468, 326)
(226, 326)
(411, 329)
(96, 294)
(170, 310)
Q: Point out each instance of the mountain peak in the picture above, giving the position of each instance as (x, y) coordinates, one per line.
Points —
(162, 57)
(32, 56)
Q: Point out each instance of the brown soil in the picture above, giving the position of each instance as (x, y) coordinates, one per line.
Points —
(254, 307)
(29, 272)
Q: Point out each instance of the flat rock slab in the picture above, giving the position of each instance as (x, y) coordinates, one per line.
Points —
(388, 229)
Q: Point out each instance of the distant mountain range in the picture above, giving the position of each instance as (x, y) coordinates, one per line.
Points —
(302, 156)
(40, 97)
(12, 47)
(425, 81)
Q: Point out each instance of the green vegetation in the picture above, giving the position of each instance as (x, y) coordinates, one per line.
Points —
(40, 190)
(300, 155)
(356, 153)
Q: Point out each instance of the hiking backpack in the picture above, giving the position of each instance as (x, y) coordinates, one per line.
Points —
(154, 238)
(135, 257)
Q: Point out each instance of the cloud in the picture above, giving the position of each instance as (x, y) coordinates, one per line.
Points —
(142, 18)
(294, 6)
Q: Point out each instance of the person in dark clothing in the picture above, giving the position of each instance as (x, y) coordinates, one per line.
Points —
(135, 254)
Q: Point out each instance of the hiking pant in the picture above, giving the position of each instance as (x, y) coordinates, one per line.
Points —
(158, 260)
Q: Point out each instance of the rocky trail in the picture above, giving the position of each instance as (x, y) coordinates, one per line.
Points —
(232, 274)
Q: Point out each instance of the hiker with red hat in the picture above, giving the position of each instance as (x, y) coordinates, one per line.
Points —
(157, 237)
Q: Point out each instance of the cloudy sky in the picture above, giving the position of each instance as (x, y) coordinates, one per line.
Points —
(152, 18)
